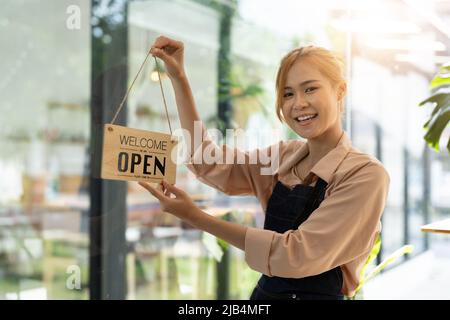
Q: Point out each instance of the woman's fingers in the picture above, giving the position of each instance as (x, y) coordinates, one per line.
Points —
(163, 191)
(162, 42)
(164, 47)
(159, 53)
(166, 192)
(156, 193)
(171, 188)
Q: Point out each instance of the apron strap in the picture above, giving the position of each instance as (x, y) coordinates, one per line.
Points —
(312, 203)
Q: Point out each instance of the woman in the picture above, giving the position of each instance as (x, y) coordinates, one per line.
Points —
(324, 203)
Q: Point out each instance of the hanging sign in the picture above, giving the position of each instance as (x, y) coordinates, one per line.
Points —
(137, 155)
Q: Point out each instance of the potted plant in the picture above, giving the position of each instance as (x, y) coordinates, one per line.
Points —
(440, 116)
(366, 276)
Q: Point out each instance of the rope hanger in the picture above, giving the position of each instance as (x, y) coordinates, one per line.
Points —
(131, 86)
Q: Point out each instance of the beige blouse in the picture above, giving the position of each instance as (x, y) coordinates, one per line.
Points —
(340, 232)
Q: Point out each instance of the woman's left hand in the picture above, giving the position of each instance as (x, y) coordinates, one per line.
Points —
(181, 205)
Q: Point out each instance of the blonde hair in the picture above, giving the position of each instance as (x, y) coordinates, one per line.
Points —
(328, 63)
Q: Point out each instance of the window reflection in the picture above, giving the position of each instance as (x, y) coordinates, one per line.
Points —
(43, 152)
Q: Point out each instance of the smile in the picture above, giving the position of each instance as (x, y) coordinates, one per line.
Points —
(304, 120)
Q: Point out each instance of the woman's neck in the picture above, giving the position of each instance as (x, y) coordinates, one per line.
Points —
(321, 145)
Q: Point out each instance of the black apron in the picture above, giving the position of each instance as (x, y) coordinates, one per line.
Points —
(286, 210)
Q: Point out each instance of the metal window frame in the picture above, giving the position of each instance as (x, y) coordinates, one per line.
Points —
(108, 211)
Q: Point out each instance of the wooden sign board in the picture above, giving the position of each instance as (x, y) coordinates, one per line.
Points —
(137, 155)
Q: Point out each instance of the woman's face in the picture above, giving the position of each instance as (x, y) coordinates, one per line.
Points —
(311, 105)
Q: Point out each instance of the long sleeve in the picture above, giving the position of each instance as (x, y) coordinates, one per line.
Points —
(236, 172)
(342, 229)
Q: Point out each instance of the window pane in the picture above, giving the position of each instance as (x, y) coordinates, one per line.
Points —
(168, 259)
(43, 149)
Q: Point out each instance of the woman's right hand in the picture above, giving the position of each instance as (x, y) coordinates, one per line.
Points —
(172, 53)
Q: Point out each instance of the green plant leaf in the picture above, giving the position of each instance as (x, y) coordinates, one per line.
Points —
(442, 78)
(436, 126)
(373, 254)
(390, 259)
(439, 118)
(223, 244)
(251, 90)
(448, 145)
(212, 245)
(441, 97)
